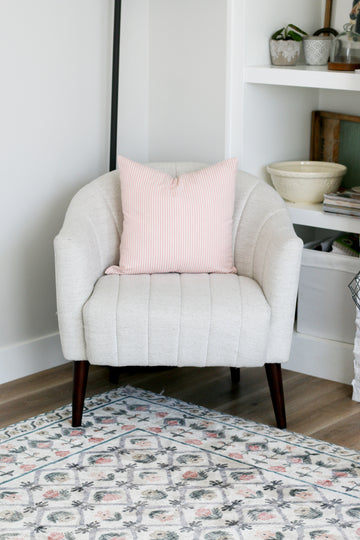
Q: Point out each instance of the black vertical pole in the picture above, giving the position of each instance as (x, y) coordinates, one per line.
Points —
(115, 84)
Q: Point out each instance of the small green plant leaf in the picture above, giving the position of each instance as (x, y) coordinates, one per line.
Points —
(278, 34)
(297, 29)
(294, 36)
(290, 32)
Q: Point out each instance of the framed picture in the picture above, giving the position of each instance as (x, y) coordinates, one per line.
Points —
(336, 137)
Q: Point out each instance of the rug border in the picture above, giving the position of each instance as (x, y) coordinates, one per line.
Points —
(129, 390)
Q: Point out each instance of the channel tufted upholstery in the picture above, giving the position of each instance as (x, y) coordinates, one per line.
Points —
(177, 319)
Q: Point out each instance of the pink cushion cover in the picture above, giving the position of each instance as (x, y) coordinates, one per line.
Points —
(181, 224)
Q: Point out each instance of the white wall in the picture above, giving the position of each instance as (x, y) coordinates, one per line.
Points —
(173, 80)
(187, 86)
(133, 125)
(55, 60)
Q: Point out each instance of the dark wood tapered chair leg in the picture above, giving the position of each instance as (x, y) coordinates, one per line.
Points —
(114, 373)
(81, 370)
(235, 375)
(274, 377)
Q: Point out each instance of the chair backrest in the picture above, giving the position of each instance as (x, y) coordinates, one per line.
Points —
(100, 203)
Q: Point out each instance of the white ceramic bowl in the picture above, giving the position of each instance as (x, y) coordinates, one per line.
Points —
(306, 181)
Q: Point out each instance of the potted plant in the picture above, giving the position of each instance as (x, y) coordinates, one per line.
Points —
(285, 45)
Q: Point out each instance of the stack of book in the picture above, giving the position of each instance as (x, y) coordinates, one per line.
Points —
(343, 202)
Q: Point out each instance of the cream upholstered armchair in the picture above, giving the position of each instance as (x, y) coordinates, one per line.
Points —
(235, 320)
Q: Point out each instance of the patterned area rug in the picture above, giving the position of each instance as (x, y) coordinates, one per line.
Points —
(148, 467)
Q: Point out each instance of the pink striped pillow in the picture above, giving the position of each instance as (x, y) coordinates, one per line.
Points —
(181, 224)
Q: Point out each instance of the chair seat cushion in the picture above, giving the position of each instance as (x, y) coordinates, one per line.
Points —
(176, 320)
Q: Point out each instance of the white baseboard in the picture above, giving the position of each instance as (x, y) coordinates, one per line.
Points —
(29, 357)
(324, 358)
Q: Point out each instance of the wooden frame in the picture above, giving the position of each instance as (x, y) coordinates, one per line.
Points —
(325, 134)
(335, 137)
(327, 18)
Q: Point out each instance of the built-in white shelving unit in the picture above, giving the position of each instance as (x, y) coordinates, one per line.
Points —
(316, 356)
(314, 216)
(303, 77)
(320, 357)
(273, 108)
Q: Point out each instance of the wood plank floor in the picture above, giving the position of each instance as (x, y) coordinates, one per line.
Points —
(316, 407)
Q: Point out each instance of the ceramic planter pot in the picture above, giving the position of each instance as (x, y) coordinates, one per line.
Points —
(284, 52)
(317, 50)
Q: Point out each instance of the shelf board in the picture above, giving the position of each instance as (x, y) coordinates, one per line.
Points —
(314, 216)
(303, 76)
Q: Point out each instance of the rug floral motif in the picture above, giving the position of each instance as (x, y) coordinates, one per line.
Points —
(144, 466)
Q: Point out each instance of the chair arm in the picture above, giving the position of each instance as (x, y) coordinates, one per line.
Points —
(77, 268)
(268, 250)
(86, 245)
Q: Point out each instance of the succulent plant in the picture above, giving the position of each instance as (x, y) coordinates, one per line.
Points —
(289, 33)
